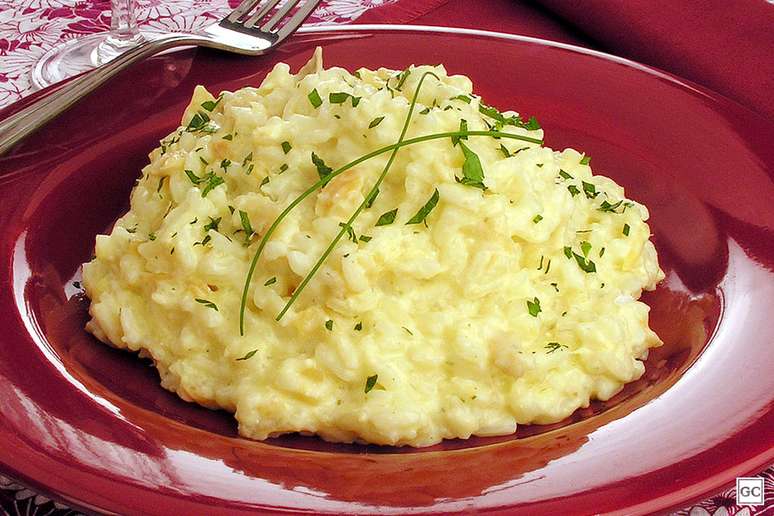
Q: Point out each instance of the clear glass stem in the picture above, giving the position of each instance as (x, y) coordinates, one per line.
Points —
(124, 32)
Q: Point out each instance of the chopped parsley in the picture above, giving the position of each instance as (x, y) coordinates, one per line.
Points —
(370, 383)
(626, 229)
(585, 160)
(329, 325)
(568, 252)
(573, 190)
(472, 172)
(314, 98)
(589, 189)
(270, 281)
(365, 238)
(212, 224)
(376, 121)
(350, 232)
(601, 252)
(505, 151)
(247, 159)
(338, 97)
(359, 326)
(584, 263)
(283, 168)
(265, 181)
(463, 98)
(537, 218)
(607, 207)
(323, 170)
(198, 122)
(224, 164)
(424, 211)
(407, 331)
(207, 303)
(228, 137)
(248, 355)
(553, 346)
(151, 236)
(585, 248)
(565, 175)
(463, 127)
(210, 105)
(387, 218)
(534, 307)
(248, 228)
(286, 147)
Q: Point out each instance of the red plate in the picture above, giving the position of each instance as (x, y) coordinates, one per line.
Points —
(92, 427)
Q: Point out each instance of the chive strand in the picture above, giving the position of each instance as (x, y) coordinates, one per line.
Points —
(341, 170)
(362, 206)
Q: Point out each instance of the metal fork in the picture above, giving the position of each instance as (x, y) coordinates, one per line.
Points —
(248, 30)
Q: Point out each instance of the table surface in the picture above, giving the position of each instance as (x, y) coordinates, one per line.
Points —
(28, 28)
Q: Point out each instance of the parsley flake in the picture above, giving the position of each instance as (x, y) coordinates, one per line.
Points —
(359, 326)
(270, 281)
(207, 303)
(537, 218)
(626, 229)
(329, 325)
(370, 383)
(314, 98)
(534, 307)
(376, 121)
(245, 219)
(387, 218)
(248, 355)
(585, 160)
(472, 172)
(323, 170)
(424, 211)
(553, 346)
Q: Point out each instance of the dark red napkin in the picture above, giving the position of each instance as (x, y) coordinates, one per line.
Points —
(725, 46)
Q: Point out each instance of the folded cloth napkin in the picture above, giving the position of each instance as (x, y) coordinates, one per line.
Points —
(725, 46)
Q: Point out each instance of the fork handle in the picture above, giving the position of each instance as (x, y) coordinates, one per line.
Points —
(31, 118)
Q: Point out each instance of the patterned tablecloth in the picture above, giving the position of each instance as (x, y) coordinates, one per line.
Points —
(28, 28)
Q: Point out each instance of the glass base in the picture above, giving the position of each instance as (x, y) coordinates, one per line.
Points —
(79, 55)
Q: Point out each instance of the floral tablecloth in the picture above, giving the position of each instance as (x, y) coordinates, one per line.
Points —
(28, 28)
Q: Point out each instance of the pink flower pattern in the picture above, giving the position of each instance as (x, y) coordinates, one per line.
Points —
(28, 28)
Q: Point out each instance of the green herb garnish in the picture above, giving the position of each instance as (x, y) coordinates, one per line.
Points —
(376, 121)
(370, 383)
(472, 172)
(207, 303)
(329, 325)
(359, 326)
(286, 147)
(425, 210)
(248, 355)
(534, 307)
(589, 189)
(573, 190)
(537, 218)
(626, 229)
(270, 281)
(323, 170)
(585, 248)
(248, 228)
(387, 218)
(553, 346)
(314, 98)
(585, 160)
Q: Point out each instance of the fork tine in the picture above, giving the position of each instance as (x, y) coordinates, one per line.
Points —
(279, 15)
(292, 24)
(243, 8)
(263, 11)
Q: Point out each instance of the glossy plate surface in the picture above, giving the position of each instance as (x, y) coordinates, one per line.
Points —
(91, 425)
